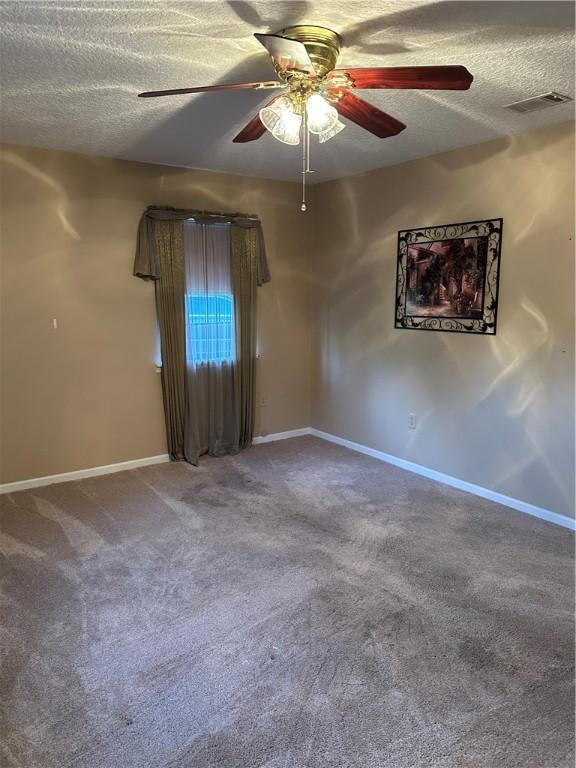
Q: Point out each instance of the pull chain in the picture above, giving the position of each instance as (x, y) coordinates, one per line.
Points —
(305, 158)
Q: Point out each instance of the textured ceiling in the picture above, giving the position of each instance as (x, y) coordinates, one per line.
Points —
(70, 72)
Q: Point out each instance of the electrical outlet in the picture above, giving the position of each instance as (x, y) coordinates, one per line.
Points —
(263, 401)
(412, 421)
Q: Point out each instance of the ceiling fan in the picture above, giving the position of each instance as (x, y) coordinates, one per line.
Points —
(314, 94)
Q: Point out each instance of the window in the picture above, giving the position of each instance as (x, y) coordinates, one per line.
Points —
(209, 301)
(210, 334)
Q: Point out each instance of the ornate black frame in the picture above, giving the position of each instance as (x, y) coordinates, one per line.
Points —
(491, 229)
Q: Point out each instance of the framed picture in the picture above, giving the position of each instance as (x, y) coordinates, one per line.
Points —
(447, 277)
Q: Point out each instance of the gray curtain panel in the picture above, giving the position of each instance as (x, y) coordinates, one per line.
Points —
(169, 257)
(247, 275)
(206, 267)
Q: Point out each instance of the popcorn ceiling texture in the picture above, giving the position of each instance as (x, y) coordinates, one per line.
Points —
(70, 73)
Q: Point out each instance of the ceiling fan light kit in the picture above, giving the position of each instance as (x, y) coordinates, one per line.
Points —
(316, 94)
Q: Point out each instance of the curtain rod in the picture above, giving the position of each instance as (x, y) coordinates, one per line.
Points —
(209, 214)
(215, 214)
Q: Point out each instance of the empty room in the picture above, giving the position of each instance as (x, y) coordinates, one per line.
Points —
(287, 391)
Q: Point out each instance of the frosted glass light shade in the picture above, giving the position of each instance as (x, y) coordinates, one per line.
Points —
(330, 132)
(272, 115)
(282, 121)
(288, 128)
(321, 115)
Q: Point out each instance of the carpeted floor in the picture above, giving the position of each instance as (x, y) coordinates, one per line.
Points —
(296, 606)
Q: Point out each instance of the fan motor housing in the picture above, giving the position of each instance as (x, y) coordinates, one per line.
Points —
(323, 45)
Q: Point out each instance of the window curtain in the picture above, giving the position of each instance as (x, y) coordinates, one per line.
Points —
(212, 395)
(206, 267)
(246, 277)
(168, 248)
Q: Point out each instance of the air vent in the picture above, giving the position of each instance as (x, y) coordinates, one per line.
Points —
(538, 102)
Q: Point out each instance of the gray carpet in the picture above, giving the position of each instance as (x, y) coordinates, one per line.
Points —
(296, 606)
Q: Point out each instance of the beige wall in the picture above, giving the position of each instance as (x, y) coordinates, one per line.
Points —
(87, 393)
(495, 411)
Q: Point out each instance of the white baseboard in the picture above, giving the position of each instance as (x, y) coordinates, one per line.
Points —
(463, 485)
(281, 435)
(454, 482)
(80, 474)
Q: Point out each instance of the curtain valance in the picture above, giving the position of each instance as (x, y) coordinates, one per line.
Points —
(146, 262)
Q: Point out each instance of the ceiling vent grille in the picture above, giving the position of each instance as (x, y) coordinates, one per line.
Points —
(538, 102)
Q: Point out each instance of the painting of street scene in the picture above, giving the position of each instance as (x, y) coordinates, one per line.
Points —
(446, 278)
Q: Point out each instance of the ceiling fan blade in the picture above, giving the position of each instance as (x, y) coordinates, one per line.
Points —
(442, 78)
(252, 131)
(222, 87)
(366, 115)
(287, 54)
(255, 128)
